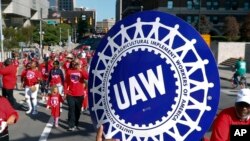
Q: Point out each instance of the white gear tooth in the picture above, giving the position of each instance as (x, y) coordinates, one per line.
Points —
(150, 125)
(157, 122)
(177, 83)
(143, 126)
(163, 119)
(143, 49)
(162, 56)
(117, 116)
(175, 75)
(129, 124)
(172, 106)
(122, 121)
(172, 68)
(168, 113)
(136, 126)
(176, 99)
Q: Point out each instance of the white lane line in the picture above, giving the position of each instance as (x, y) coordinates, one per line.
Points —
(232, 92)
(47, 130)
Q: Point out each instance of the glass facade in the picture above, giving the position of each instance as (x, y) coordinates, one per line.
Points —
(170, 4)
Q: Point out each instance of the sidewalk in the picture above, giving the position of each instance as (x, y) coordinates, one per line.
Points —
(226, 73)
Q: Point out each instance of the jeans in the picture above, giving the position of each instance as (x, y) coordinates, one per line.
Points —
(75, 104)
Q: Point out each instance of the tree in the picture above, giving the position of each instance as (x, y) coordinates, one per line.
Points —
(231, 28)
(52, 33)
(204, 26)
(15, 35)
(245, 29)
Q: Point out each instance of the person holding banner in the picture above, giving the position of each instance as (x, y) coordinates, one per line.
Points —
(99, 135)
(235, 115)
(8, 116)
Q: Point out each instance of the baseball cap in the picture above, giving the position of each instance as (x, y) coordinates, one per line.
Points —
(69, 55)
(243, 96)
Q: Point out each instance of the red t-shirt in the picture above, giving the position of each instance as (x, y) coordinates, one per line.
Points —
(74, 82)
(221, 125)
(66, 65)
(9, 76)
(42, 69)
(54, 101)
(31, 77)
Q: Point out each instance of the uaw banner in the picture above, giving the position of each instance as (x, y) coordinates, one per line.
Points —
(153, 78)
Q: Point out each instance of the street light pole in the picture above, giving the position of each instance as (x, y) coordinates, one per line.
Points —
(41, 32)
(1, 32)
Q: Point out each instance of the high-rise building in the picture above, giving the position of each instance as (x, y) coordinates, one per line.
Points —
(18, 13)
(53, 5)
(66, 5)
(191, 10)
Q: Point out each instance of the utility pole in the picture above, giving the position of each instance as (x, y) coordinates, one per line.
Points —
(1, 32)
(41, 32)
(60, 36)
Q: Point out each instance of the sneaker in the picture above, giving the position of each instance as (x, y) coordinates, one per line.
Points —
(72, 128)
(29, 111)
(56, 126)
(34, 112)
(60, 110)
(77, 127)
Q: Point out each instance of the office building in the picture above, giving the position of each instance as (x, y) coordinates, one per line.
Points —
(53, 5)
(66, 5)
(191, 10)
(18, 13)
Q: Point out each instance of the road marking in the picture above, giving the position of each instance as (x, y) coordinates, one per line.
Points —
(230, 91)
(47, 130)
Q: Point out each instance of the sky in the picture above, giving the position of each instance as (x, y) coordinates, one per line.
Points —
(105, 9)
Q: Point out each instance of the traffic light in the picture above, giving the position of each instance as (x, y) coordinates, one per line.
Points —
(90, 21)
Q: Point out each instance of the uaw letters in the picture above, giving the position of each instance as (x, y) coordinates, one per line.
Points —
(239, 132)
(135, 90)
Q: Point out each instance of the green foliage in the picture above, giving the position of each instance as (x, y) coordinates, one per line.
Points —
(52, 33)
(12, 36)
(203, 26)
(231, 28)
(245, 29)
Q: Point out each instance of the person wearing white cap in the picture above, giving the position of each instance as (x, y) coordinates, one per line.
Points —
(239, 114)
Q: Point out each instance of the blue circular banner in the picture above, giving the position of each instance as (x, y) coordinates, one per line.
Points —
(153, 77)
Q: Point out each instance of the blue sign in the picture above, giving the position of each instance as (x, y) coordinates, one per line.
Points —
(152, 78)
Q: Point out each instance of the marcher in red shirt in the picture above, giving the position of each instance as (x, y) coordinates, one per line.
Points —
(31, 78)
(236, 115)
(8, 116)
(66, 64)
(54, 102)
(74, 90)
(9, 80)
(44, 69)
